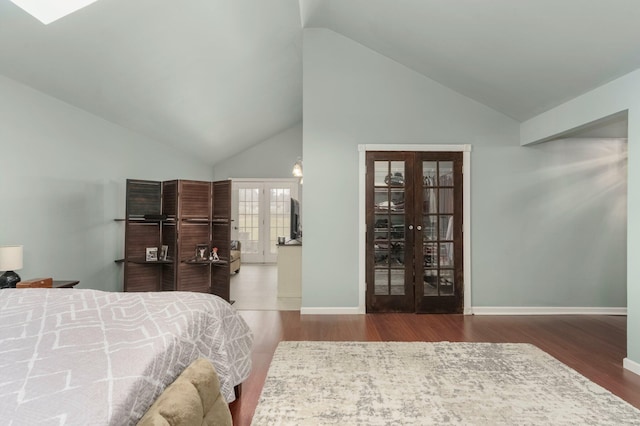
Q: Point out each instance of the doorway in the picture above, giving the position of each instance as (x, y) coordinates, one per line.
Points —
(414, 223)
(261, 213)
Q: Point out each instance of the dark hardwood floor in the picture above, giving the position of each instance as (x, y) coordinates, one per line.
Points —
(593, 345)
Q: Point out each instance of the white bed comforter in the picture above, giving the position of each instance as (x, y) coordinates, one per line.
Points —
(87, 357)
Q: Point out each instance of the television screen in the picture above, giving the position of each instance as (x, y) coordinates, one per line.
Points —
(296, 230)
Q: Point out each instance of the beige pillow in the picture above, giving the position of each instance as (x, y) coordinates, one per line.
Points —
(193, 399)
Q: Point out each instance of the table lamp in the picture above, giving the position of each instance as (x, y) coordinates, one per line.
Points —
(10, 260)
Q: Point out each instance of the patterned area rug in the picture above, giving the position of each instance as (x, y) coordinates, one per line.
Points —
(418, 383)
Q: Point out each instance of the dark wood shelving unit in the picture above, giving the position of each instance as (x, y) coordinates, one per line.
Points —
(221, 235)
(184, 214)
(143, 197)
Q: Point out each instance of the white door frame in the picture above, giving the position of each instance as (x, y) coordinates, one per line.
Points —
(466, 212)
(264, 206)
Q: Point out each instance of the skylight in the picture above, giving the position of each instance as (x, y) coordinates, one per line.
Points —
(48, 11)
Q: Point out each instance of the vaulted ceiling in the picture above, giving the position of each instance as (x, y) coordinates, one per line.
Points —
(218, 76)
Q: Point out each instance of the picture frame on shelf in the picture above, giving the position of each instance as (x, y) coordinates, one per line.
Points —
(151, 254)
(164, 250)
(202, 252)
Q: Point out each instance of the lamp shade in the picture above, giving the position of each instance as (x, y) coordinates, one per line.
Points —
(10, 258)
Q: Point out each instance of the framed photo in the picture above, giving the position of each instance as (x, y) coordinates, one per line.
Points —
(202, 252)
(163, 252)
(152, 254)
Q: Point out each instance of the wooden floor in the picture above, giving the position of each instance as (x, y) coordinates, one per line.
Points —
(593, 345)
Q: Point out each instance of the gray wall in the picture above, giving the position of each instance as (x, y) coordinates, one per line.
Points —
(620, 95)
(63, 182)
(548, 222)
(273, 158)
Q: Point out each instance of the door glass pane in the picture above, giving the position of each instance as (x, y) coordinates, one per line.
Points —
(381, 283)
(381, 222)
(248, 220)
(446, 227)
(446, 282)
(429, 171)
(446, 254)
(446, 200)
(397, 282)
(430, 200)
(381, 254)
(430, 253)
(430, 283)
(380, 237)
(381, 171)
(446, 173)
(279, 207)
(397, 200)
(381, 200)
(396, 175)
(396, 255)
(430, 228)
(397, 227)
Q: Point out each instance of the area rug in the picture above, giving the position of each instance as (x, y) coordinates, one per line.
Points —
(418, 383)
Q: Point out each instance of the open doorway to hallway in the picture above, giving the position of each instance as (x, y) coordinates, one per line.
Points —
(255, 288)
(260, 210)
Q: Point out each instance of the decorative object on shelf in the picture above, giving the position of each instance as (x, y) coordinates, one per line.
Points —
(152, 254)
(201, 252)
(297, 168)
(163, 252)
(214, 255)
(281, 240)
(10, 261)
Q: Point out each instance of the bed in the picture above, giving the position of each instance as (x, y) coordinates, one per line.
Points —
(79, 356)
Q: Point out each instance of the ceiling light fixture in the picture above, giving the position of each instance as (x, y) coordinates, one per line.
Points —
(47, 11)
(297, 168)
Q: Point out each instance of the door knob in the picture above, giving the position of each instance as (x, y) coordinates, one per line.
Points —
(419, 228)
(410, 227)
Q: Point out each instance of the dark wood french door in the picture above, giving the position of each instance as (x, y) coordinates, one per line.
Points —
(414, 232)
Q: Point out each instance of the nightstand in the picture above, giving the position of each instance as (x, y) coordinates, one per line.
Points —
(47, 283)
(64, 284)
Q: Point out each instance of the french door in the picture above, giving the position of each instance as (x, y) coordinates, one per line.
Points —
(261, 214)
(414, 232)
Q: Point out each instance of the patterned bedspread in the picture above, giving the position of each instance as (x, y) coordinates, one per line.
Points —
(87, 357)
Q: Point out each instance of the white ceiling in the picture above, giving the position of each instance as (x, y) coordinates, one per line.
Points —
(219, 76)
(519, 57)
(213, 76)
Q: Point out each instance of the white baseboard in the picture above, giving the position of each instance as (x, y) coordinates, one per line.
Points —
(632, 366)
(544, 310)
(486, 310)
(330, 311)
